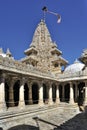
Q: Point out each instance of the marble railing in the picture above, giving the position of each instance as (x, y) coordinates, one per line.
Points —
(11, 64)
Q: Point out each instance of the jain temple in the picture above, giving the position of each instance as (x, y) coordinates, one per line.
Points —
(42, 82)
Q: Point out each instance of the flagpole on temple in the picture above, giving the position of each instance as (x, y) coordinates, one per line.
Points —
(44, 16)
(56, 14)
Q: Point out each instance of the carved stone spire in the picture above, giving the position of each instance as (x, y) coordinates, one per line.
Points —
(8, 53)
(41, 35)
(43, 50)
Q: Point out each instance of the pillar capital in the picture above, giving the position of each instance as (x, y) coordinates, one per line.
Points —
(40, 83)
(76, 82)
(50, 83)
(3, 75)
(2, 78)
(57, 83)
(71, 83)
(22, 81)
(12, 81)
(63, 84)
(30, 82)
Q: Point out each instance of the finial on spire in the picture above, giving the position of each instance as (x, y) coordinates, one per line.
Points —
(56, 14)
(44, 12)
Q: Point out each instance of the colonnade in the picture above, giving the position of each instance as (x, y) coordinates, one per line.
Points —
(73, 92)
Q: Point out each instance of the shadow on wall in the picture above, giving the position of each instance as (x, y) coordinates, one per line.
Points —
(24, 127)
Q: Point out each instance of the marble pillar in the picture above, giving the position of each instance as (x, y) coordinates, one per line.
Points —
(30, 93)
(40, 93)
(2, 93)
(57, 94)
(76, 92)
(50, 94)
(71, 101)
(11, 94)
(21, 94)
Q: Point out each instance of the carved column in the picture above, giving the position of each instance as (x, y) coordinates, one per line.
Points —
(76, 91)
(50, 94)
(2, 93)
(71, 93)
(41, 93)
(21, 94)
(11, 94)
(57, 94)
(85, 100)
(30, 93)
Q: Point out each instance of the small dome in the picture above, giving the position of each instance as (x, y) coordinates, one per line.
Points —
(75, 67)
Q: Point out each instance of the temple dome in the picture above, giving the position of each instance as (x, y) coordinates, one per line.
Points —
(75, 67)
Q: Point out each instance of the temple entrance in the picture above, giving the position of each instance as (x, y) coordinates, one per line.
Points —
(26, 94)
(35, 93)
(81, 93)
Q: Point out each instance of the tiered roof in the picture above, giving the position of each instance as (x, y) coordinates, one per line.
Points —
(43, 51)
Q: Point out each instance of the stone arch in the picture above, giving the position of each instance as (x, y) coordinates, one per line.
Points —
(54, 92)
(67, 92)
(26, 94)
(81, 94)
(35, 92)
(24, 127)
(16, 92)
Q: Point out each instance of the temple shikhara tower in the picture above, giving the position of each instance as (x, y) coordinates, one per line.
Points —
(41, 80)
(43, 52)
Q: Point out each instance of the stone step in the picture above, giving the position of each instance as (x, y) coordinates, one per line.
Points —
(50, 116)
(63, 107)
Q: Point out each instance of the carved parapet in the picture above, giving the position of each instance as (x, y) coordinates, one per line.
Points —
(12, 65)
(16, 64)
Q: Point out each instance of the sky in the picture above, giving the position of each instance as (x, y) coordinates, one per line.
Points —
(19, 19)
